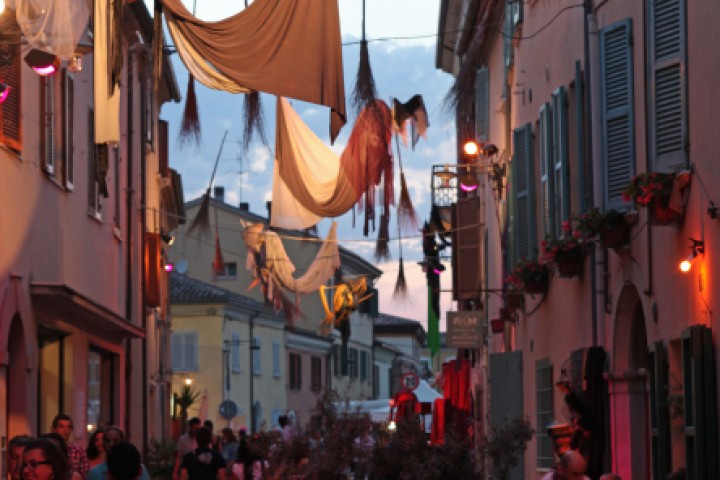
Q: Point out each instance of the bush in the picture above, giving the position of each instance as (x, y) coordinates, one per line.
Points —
(160, 457)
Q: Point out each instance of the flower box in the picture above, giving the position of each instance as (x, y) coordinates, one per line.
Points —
(660, 215)
(536, 286)
(616, 236)
(529, 276)
(572, 267)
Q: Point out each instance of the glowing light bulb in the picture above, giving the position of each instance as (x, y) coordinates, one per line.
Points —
(470, 148)
(188, 381)
(685, 266)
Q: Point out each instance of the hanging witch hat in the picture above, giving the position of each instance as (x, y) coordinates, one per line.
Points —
(364, 91)
(201, 222)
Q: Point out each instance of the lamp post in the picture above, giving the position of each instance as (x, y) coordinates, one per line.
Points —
(225, 371)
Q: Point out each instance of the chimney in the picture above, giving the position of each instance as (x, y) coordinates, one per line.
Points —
(219, 193)
(244, 206)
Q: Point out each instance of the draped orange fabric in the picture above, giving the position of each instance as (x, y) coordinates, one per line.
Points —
(284, 47)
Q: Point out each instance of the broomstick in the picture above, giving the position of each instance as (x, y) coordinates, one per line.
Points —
(405, 211)
(400, 283)
(364, 91)
(190, 125)
(201, 222)
(254, 120)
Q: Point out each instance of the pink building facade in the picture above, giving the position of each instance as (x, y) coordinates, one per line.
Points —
(579, 99)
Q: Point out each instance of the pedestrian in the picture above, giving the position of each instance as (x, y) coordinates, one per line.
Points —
(123, 462)
(215, 439)
(203, 463)
(111, 437)
(59, 442)
(15, 449)
(244, 458)
(186, 444)
(63, 425)
(364, 445)
(95, 450)
(229, 445)
(43, 460)
(287, 431)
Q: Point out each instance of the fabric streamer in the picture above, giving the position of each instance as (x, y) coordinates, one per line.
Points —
(53, 26)
(107, 94)
(284, 47)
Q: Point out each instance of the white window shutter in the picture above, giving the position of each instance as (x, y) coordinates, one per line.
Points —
(176, 347)
(191, 351)
(482, 107)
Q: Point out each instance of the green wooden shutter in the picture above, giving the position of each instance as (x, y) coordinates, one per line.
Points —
(545, 138)
(659, 415)
(579, 135)
(524, 197)
(544, 412)
(700, 402)
(561, 175)
(482, 108)
(667, 87)
(616, 88)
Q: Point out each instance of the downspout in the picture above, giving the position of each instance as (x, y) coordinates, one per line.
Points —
(143, 229)
(251, 372)
(129, 229)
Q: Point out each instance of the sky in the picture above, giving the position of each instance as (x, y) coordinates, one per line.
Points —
(401, 69)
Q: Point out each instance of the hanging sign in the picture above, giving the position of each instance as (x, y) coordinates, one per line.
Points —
(464, 329)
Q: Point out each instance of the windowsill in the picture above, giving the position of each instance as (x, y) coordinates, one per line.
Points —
(276, 376)
(257, 374)
(97, 216)
(235, 371)
(118, 234)
(11, 151)
(51, 178)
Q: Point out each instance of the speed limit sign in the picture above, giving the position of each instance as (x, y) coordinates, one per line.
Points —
(410, 380)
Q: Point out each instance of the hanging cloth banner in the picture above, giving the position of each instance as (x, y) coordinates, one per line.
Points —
(311, 182)
(107, 95)
(53, 26)
(284, 47)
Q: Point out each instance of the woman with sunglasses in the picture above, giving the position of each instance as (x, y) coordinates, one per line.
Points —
(43, 460)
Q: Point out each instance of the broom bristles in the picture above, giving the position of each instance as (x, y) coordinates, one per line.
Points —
(382, 250)
(201, 222)
(364, 91)
(401, 283)
(254, 120)
(405, 209)
(190, 126)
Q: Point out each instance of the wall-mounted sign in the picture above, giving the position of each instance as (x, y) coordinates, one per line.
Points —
(464, 329)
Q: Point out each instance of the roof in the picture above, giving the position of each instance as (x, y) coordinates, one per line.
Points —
(186, 290)
(386, 323)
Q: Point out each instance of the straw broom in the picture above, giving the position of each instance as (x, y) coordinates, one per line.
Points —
(201, 222)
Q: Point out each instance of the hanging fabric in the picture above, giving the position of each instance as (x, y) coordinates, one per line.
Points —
(413, 112)
(53, 26)
(284, 47)
(310, 182)
(107, 93)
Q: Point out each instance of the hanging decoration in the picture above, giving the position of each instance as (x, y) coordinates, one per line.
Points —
(106, 91)
(190, 125)
(218, 262)
(382, 245)
(400, 283)
(364, 91)
(284, 47)
(346, 299)
(311, 183)
(201, 222)
(53, 26)
(407, 218)
(254, 120)
(413, 112)
(273, 270)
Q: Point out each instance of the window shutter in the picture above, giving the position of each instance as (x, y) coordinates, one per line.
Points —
(47, 116)
(659, 414)
(11, 132)
(546, 179)
(580, 135)
(545, 412)
(482, 105)
(363, 365)
(668, 130)
(467, 241)
(561, 179)
(299, 372)
(616, 89)
(336, 360)
(93, 200)
(176, 346)
(68, 112)
(276, 360)
(235, 353)
(256, 357)
(524, 197)
(191, 351)
(700, 402)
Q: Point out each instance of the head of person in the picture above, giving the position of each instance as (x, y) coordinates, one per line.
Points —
(209, 425)
(203, 437)
(193, 424)
(282, 421)
(228, 435)
(123, 462)
(62, 425)
(95, 444)
(111, 437)
(43, 460)
(610, 476)
(572, 465)
(58, 440)
(14, 455)
(242, 434)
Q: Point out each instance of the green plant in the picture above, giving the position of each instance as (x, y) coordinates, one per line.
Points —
(569, 247)
(594, 221)
(649, 187)
(527, 271)
(186, 399)
(160, 456)
(506, 444)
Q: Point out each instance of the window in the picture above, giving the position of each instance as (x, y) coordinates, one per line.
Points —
(184, 351)
(47, 118)
(353, 363)
(524, 242)
(276, 360)
(94, 205)
(10, 68)
(616, 90)
(482, 105)
(256, 357)
(316, 374)
(235, 353)
(554, 172)
(100, 388)
(363, 365)
(545, 413)
(667, 85)
(546, 183)
(229, 271)
(295, 371)
(68, 130)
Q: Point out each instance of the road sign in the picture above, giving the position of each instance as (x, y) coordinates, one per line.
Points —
(410, 380)
(228, 409)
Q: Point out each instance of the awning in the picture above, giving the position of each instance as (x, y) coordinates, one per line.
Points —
(60, 302)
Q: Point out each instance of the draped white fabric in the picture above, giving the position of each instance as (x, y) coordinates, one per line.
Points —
(53, 26)
(107, 103)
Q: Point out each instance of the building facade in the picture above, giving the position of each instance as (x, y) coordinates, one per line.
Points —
(579, 99)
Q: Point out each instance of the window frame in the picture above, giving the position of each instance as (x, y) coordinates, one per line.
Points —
(185, 364)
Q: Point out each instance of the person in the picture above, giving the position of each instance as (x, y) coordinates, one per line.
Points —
(43, 460)
(63, 425)
(59, 442)
(229, 445)
(364, 444)
(186, 444)
(203, 463)
(111, 437)
(95, 450)
(286, 429)
(610, 476)
(214, 439)
(15, 449)
(123, 462)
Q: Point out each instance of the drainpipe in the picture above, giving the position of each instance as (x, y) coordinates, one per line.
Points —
(251, 323)
(143, 229)
(129, 236)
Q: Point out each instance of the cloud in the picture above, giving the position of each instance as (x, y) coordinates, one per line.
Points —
(259, 158)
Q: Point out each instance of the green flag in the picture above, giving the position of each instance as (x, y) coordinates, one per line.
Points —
(433, 323)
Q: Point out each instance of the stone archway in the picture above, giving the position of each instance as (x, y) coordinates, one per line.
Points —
(627, 382)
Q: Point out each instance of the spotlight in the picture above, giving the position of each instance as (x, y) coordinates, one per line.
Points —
(4, 92)
(43, 63)
(489, 149)
(188, 381)
(698, 246)
(391, 426)
(471, 148)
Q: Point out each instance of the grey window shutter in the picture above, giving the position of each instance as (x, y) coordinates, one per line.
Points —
(276, 360)
(579, 136)
(93, 200)
(235, 353)
(68, 128)
(667, 90)
(545, 138)
(191, 351)
(700, 402)
(524, 197)
(482, 107)
(545, 412)
(659, 414)
(257, 370)
(616, 87)
(561, 170)
(48, 111)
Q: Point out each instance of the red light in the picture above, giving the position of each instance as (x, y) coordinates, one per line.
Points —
(4, 92)
(169, 267)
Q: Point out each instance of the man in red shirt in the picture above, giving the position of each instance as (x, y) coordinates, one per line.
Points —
(63, 425)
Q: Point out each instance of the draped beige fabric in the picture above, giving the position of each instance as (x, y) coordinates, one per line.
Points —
(284, 47)
(311, 182)
(107, 95)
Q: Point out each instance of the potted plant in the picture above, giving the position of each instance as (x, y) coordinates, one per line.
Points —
(610, 227)
(652, 190)
(513, 298)
(566, 252)
(529, 276)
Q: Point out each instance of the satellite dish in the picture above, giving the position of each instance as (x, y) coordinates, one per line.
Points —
(182, 266)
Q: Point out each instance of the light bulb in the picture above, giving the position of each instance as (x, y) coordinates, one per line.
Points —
(470, 148)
